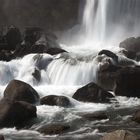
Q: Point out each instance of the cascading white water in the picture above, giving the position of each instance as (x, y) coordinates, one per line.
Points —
(103, 20)
(94, 20)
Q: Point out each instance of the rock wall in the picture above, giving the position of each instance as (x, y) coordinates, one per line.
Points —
(49, 14)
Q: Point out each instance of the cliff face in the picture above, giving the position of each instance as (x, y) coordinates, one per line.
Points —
(50, 14)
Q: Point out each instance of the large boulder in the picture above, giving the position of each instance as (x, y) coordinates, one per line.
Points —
(128, 82)
(16, 113)
(55, 100)
(119, 135)
(106, 78)
(92, 93)
(21, 91)
(108, 66)
(131, 44)
(128, 53)
(53, 129)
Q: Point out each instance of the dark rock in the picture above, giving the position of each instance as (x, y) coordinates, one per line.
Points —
(106, 78)
(5, 55)
(13, 37)
(128, 54)
(16, 113)
(131, 44)
(23, 50)
(55, 100)
(108, 66)
(119, 135)
(136, 116)
(37, 75)
(21, 91)
(92, 93)
(31, 35)
(53, 129)
(99, 115)
(128, 82)
(109, 54)
(2, 137)
(54, 51)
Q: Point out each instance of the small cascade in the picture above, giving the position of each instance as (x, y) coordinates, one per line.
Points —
(72, 72)
(67, 69)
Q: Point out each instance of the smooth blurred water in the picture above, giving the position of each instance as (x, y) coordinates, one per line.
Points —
(104, 22)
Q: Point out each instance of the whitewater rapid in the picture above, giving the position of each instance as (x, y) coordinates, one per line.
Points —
(104, 23)
(49, 84)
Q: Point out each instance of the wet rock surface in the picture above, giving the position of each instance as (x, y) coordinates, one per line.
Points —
(21, 91)
(55, 100)
(16, 113)
(53, 129)
(136, 116)
(119, 135)
(92, 93)
(99, 115)
(109, 54)
(131, 44)
(128, 82)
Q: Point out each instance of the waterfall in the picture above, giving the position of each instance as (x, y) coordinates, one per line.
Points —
(94, 19)
(105, 20)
